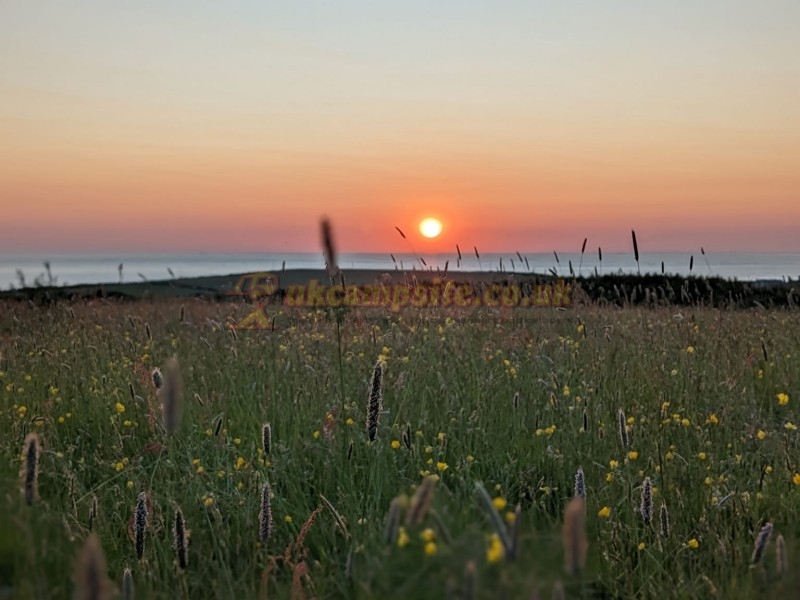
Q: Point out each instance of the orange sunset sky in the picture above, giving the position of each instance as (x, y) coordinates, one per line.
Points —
(526, 126)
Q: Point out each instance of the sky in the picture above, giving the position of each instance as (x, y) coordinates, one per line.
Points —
(235, 126)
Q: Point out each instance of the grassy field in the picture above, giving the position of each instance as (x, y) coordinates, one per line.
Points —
(514, 402)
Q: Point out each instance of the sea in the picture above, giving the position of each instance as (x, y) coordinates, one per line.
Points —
(30, 270)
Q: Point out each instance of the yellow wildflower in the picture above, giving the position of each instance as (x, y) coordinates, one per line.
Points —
(604, 512)
(402, 537)
(495, 552)
(120, 407)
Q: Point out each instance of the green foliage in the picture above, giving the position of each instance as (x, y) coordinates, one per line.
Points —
(697, 390)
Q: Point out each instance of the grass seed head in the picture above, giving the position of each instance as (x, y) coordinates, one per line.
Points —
(93, 513)
(646, 506)
(375, 402)
(158, 378)
(128, 591)
(762, 540)
(580, 484)
(664, 516)
(407, 436)
(574, 536)
(393, 518)
(29, 475)
(329, 248)
(91, 576)
(180, 539)
(170, 394)
(140, 523)
(781, 561)
(265, 515)
(421, 501)
(470, 572)
(266, 438)
(622, 427)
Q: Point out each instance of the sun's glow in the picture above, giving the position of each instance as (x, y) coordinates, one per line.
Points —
(430, 227)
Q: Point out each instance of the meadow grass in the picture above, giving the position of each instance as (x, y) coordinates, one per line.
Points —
(505, 403)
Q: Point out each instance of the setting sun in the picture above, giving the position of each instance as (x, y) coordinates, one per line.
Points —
(430, 227)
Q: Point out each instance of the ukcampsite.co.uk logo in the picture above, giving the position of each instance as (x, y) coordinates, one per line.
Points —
(395, 297)
(255, 285)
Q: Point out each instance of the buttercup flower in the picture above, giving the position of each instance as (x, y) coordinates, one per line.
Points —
(495, 551)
